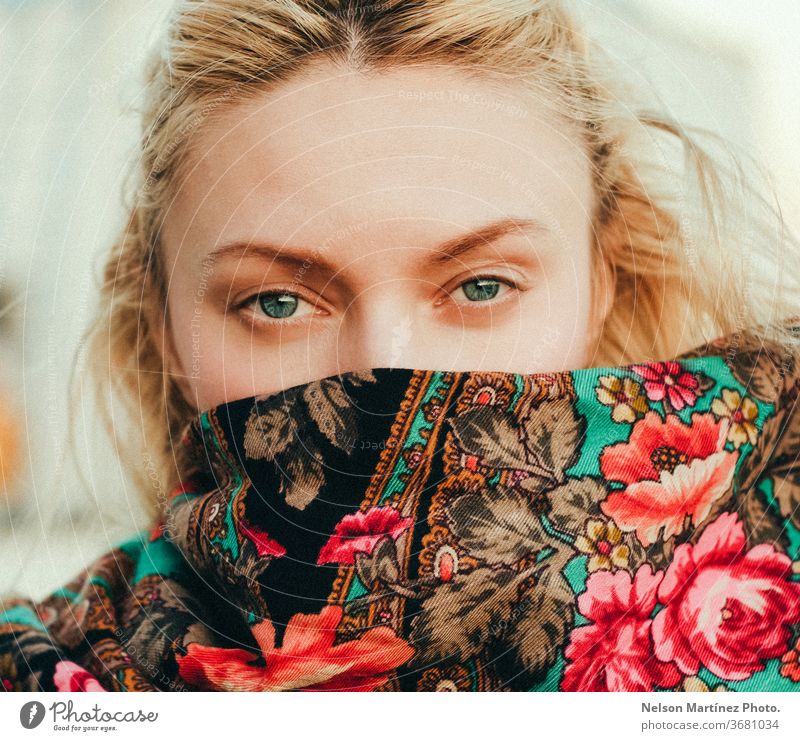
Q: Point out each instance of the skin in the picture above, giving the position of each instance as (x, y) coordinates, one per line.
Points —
(318, 229)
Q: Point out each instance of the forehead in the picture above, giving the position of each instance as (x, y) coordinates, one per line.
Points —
(411, 152)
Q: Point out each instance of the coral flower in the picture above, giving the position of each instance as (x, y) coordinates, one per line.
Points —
(360, 532)
(668, 381)
(671, 469)
(307, 660)
(615, 653)
(725, 608)
(69, 677)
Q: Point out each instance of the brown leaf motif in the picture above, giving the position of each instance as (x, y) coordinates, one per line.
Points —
(381, 565)
(457, 619)
(281, 430)
(552, 434)
(332, 409)
(776, 455)
(492, 435)
(574, 501)
(762, 370)
(496, 526)
(539, 626)
(543, 446)
(762, 524)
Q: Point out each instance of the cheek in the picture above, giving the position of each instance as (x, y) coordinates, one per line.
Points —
(573, 315)
(555, 320)
(563, 293)
(209, 369)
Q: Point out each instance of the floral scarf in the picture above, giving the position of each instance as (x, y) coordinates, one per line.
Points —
(630, 528)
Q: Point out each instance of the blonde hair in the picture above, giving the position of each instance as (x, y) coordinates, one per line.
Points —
(675, 285)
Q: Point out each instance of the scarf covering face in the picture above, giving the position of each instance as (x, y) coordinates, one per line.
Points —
(630, 528)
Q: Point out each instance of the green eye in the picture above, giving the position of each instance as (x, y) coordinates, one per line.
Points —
(278, 305)
(481, 289)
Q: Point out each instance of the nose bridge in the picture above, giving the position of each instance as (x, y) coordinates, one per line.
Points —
(378, 329)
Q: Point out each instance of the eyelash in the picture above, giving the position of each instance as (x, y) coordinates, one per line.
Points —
(259, 318)
(478, 305)
(263, 319)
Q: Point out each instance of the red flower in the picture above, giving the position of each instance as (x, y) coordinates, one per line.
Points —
(670, 380)
(156, 531)
(360, 532)
(790, 663)
(187, 485)
(308, 660)
(672, 469)
(69, 677)
(615, 653)
(726, 608)
(470, 462)
(265, 545)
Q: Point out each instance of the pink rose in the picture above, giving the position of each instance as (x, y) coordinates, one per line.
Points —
(69, 677)
(725, 608)
(615, 653)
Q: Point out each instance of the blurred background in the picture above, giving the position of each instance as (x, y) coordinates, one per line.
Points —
(70, 77)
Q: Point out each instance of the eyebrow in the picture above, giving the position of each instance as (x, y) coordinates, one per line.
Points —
(485, 235)
(448, 250)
